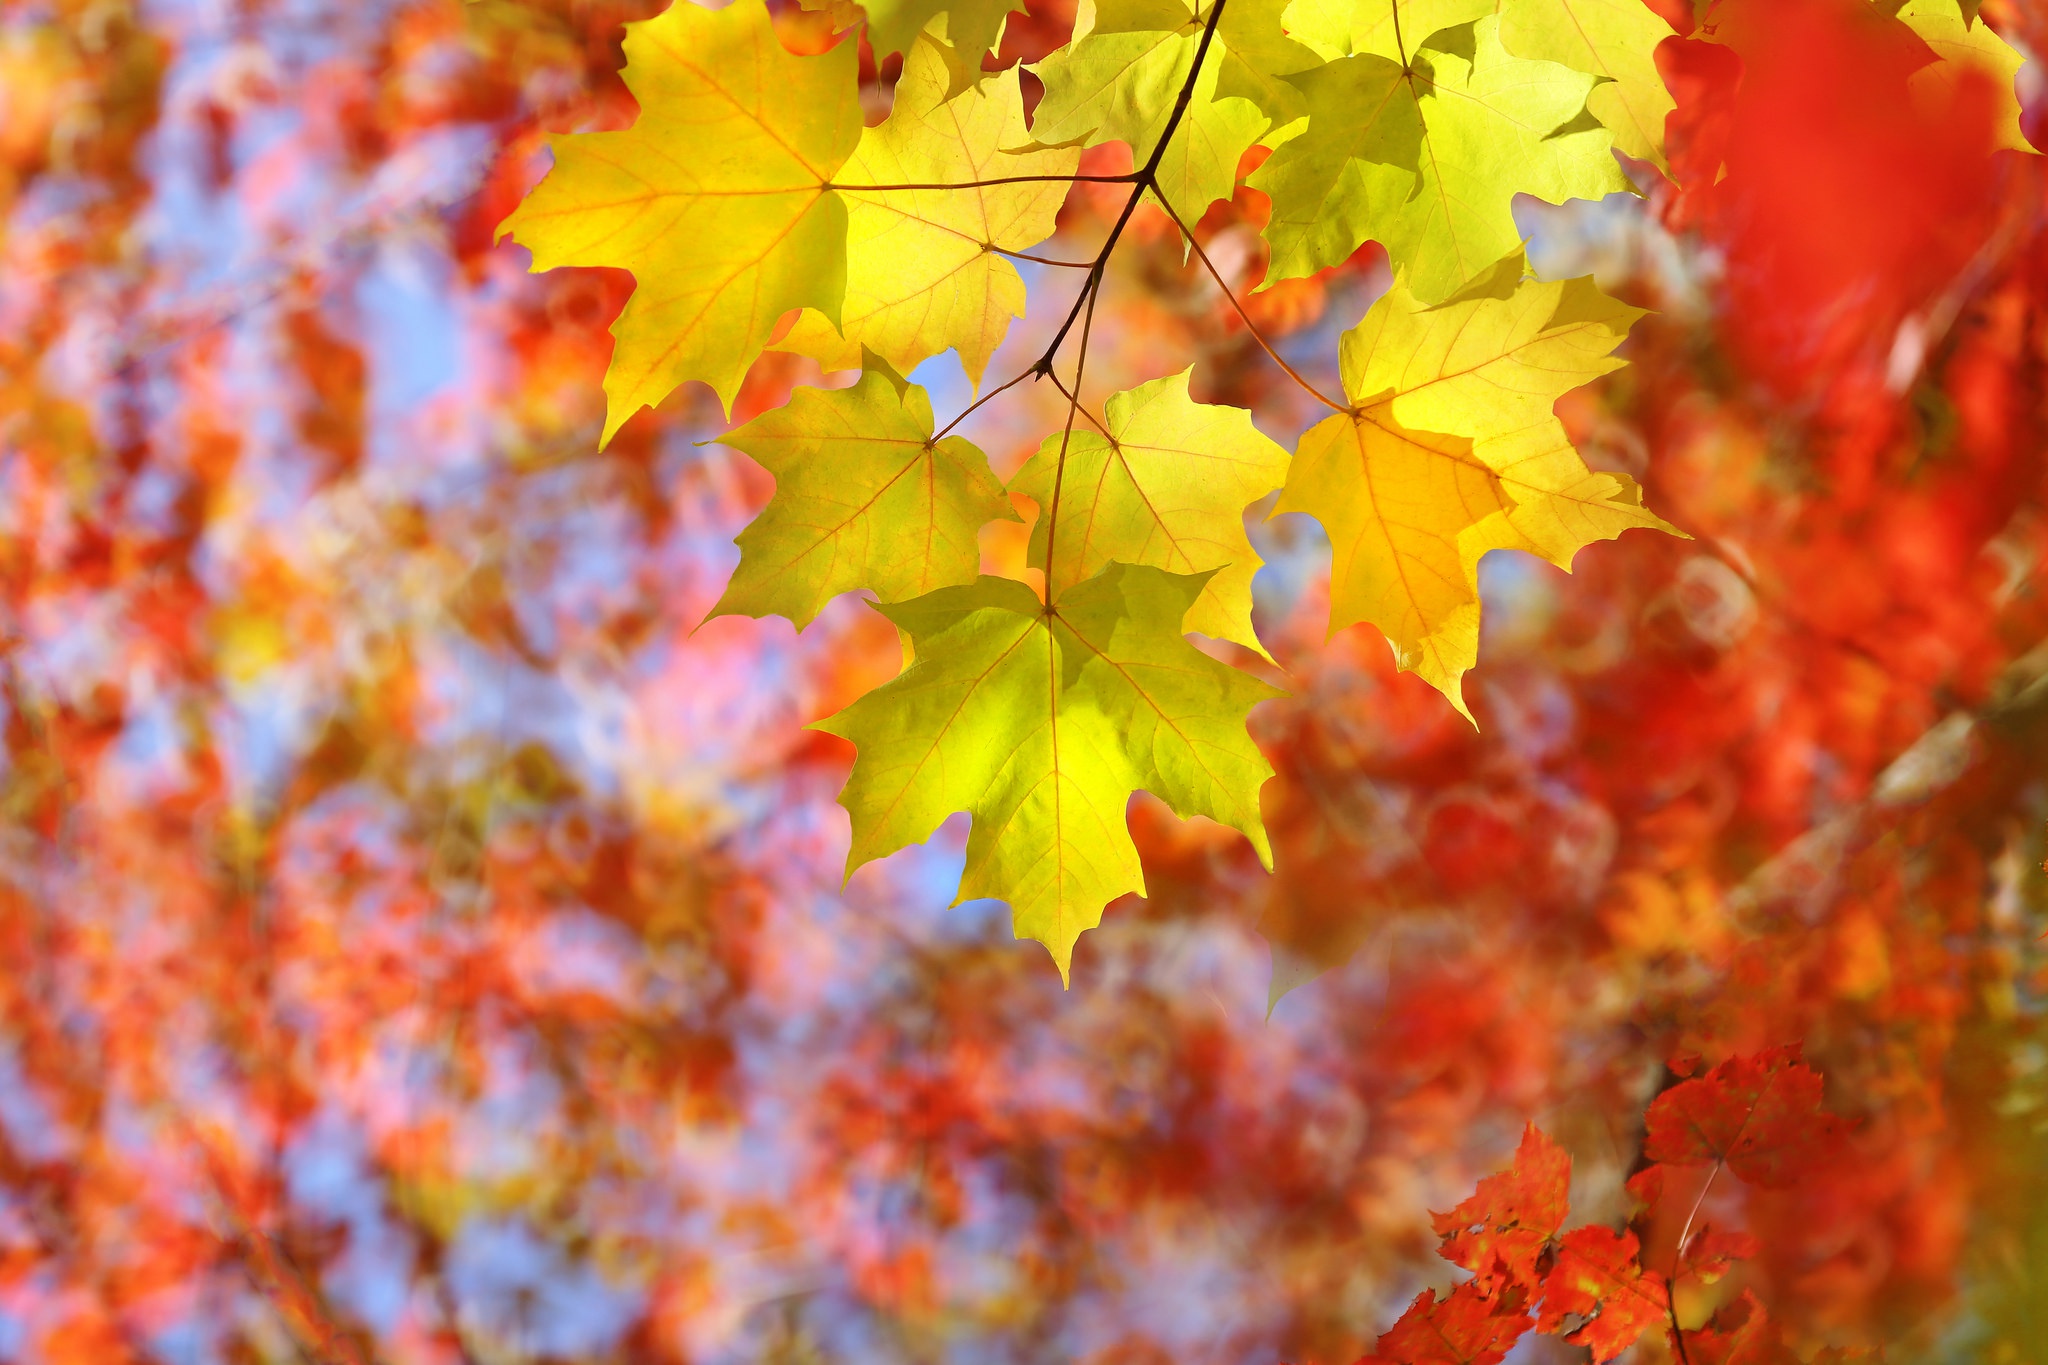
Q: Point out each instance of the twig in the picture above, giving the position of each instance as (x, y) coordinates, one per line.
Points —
(1678, 1260)
(1250, 326)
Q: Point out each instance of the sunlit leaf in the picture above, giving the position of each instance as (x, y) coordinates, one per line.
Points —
(1042, 723)
(717, 198)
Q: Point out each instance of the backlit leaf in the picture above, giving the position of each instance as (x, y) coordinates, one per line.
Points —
(1612, 39)
(1354, 163)
(1168, 487)
(863, 499)
(1466, 1327)
(1119, 81)
(1504, 1226)
(1338, 28)
(1042, 724)
(923, 273)
(717, 198)
(1598, 1275)
(1964, 47)
(972, 26)
(1493, 126)
(1452, 451)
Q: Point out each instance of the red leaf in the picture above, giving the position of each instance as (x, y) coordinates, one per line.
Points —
(1471, 1327)
(1512, 1216)
(1760, 1115)
(1598, 1275)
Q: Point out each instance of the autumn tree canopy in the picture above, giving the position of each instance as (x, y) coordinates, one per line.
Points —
(575, 573)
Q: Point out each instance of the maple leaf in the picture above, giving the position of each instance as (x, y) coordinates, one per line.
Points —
(1119, 81)
(1042, 723)
(1614, 40)
(923, 271)
(1356, 158)
(1258, 56)
(973, 27)
(864, 498)
(1964, 47)
(1468, 1327)
(1759, 1115)
(1504, 1226)
(1339, 28)
(723, 238)
(1493, 126)
(1167, 486)
(1474, 125)
(1598, 1275)
(1452, 451)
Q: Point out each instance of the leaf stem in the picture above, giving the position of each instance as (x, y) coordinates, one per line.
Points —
(969, 412)
(1084, 411)
(1144, 178)
(1678, 1261)
(1059, 475)
(1125, 179)
(1399, 46)
(1250, 326)
(1042, 260)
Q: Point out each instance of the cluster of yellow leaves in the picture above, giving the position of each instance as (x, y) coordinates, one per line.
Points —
(748, 194)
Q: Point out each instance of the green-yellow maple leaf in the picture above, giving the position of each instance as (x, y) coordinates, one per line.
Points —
(717, 198)
(1453, 450)
(972, 26)
(1613, 39)
(1427, 160)
(1338, 28)
(1961, 45)
(1118, 81)
(1042, 724)
(1258, 56)
(1168, 487)
(1356, 159)
(864, 498)
(923, 273)
(1493, 126)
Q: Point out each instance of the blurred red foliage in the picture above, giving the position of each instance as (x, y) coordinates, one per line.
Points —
(426, 935)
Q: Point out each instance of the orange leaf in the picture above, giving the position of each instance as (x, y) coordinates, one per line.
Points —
(1471, 1327)
(1511, 1217)
(1598, 1275)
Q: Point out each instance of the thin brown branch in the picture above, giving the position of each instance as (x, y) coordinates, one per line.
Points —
(1678, 1261)
(1042, 260)
(1125, 179)
(1250, 326)
(1075, 398)
(1010, 383)
(1059, 475)
(1144, 178)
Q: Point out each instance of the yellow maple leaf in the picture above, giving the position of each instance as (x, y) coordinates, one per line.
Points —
(1167, 485)
(923, 272)
(1452, 451)
(718, 198)
(1961, 45)
(1339, 28)
(1613, 39)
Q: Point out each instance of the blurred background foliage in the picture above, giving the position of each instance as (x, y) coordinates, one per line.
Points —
(425, 941)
